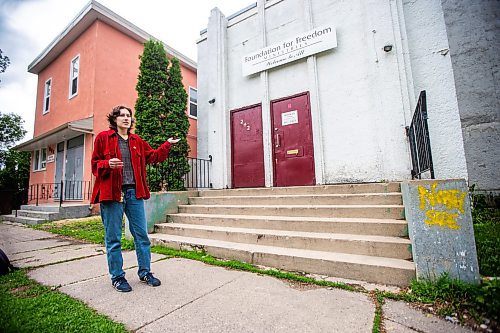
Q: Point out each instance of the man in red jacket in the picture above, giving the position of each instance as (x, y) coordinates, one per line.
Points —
(119, 165)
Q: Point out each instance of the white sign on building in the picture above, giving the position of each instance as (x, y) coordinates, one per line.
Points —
(303, 45)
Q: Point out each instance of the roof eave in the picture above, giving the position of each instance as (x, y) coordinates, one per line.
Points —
(88, 15)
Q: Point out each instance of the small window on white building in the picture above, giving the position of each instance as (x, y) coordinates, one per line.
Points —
(73, 76)
(46, 96)
(193, 102)
(40, 159)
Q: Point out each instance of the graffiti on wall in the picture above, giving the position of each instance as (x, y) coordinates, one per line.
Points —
(442, 207)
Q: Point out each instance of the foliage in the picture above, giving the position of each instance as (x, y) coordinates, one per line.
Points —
(151, 105)
(11, 131)
(486, 221)
(14, 165)
(481, 300)
(161, 111)
(30, 307)
(177, 125)
(487, 235)
(4, 62)
(16, 171)
(88, 229)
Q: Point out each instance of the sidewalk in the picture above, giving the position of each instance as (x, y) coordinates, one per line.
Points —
(195, 297)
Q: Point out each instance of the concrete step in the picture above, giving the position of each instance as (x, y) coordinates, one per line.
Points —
(358, 211)
(41, 208)
(318, 189)
(303, 199)
(48, 216)
(350, 266)
(22, 219)
(379, 246)
(360, 226)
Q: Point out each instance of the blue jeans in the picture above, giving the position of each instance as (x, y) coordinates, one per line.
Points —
(112, 217)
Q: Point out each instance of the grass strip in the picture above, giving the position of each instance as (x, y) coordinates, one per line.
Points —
(27, 306)
(238, 265)
(379, 300)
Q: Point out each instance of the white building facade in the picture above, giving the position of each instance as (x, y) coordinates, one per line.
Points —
(301, 92)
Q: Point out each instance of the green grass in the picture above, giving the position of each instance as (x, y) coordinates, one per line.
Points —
(455, 296)
(27, 306)
(88, 229)
(487, 234)
(379, 301)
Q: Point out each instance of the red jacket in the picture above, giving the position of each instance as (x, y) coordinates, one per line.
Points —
(108, 183)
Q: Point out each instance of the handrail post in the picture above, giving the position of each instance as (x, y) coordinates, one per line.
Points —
(37, 194)
(61, 194)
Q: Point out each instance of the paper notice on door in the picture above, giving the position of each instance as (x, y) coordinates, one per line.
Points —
(289, 118)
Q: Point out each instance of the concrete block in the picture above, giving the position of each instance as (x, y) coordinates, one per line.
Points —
(159, 205)
(440, 229)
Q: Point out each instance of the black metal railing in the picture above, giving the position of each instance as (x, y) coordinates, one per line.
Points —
(420, 144)
(175, 174)
(69, 190)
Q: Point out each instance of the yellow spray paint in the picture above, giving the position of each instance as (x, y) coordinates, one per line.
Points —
(452, 200)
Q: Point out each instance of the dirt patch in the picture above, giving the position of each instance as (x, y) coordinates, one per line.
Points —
(301, 286)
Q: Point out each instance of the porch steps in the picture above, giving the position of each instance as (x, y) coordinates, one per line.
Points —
(22, 219)
(353, 231)
(31, 214)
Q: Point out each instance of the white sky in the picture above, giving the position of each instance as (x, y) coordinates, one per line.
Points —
(28, 26)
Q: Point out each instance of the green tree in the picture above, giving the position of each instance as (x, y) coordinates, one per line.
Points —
(161, 113)
(4, 63)
(14, 165)
(150, 107)
(177, 125)
(11, 131)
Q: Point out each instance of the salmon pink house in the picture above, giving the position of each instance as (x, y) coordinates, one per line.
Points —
(90, 67)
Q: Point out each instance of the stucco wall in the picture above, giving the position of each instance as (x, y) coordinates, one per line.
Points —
(432, 71)
(474, 38)
(364, 96)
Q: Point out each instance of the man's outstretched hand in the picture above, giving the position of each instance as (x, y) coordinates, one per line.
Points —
(172, 140)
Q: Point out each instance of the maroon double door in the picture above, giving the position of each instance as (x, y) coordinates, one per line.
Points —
(293, 150)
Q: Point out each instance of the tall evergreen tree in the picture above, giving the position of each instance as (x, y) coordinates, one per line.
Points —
(150, 107)
(160, 113)
(177, 125)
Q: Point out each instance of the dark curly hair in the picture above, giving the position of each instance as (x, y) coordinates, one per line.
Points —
(115, 113)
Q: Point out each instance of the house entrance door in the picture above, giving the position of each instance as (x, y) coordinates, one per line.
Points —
(247, 150)
(293, 150)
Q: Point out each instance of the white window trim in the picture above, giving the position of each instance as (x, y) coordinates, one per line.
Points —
(38, 167)
(45, 96)
(189, 102)
(70, 96)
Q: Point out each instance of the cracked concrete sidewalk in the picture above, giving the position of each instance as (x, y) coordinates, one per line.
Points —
(196, 297)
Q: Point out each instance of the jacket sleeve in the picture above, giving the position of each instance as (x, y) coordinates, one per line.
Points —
(156, 155)
(100, 165)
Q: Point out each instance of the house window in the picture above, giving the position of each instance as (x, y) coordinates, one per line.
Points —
(40, 160)
(73, 76)
(193, 102)
(46, 96)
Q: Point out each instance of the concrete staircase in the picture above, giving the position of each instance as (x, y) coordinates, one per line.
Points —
(31, 214)
(352, 231)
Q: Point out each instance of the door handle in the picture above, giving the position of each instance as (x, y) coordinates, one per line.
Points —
(277, 140)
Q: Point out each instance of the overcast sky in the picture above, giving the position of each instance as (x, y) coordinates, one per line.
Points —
(28, 26)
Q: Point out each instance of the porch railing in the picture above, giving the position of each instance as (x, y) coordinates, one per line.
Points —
(172, 174)
(420, 144)
(69, 190)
